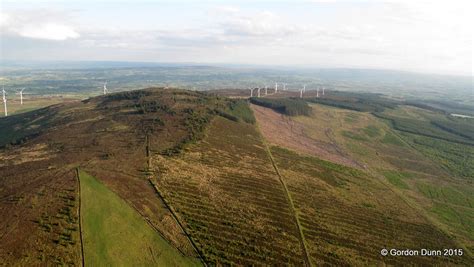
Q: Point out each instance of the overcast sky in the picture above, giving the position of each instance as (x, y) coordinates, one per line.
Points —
(427, 36)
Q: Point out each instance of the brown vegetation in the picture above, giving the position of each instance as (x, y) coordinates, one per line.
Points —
(284, 131)
(105, 136)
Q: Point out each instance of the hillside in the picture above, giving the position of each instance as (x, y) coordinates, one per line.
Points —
(104, 136)
(212, 180)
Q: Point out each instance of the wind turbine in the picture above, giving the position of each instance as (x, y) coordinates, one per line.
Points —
(301, 92)
(266, 90)
(21, 95)
(4, 102)
(276, 88)
(105, 88)
(258, 91)
(251, 91)
(317, 92)
(304, 88)
(323, 90)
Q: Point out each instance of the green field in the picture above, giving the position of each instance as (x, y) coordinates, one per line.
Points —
(397, 179)
(452, 204)
(114, 234)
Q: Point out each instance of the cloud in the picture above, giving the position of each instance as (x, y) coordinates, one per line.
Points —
(48, 31)
(264, 23)
(219, 10)
(37, 24)
(391, 34)
(233, 28)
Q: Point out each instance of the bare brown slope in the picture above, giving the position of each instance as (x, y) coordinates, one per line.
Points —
(282, 130)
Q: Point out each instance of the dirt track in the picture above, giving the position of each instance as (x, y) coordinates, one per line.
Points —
(283, 131)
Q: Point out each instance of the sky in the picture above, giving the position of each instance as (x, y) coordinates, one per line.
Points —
(418, 35)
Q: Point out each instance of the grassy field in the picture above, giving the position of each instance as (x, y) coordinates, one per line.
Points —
(452, 204)
(114, 234)
(397, 178)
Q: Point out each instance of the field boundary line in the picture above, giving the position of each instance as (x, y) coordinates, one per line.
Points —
(150, 223)
(80, 218)
(160, 195)
(288, 197)
(177, 220)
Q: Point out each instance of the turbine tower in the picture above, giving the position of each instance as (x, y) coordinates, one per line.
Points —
(251, 92)
(266, 90)
(317, 92)
(301, 93)
(21, 96)
(4, 102)
(105, 88)
(304, 88)
(276, 88)
(258, 92)
(323, 90)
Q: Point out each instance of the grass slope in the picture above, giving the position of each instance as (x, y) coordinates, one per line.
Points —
(116, 235)
(348, 216)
